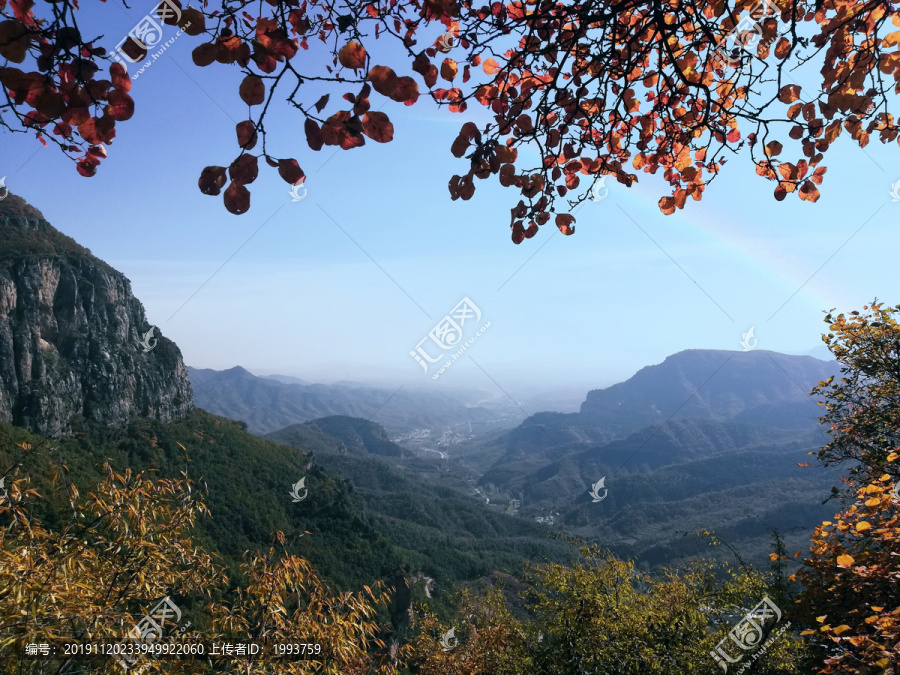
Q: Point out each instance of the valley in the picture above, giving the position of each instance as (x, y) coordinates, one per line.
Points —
(680, 452)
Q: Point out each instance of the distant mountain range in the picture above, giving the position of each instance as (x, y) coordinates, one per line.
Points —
(706, 440)
(755, 387)
(274, 402)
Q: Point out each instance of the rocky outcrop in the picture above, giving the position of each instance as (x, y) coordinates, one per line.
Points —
(71, 336)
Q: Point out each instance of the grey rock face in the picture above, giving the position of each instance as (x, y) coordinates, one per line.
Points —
(70, 336)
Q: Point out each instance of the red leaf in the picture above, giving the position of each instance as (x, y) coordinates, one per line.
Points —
(426, 69)
(204, 55)
(76, 116)
(212, 178)
(134, 50)
(383, 79)
(246, 134)
(96, 130)
(120, 78)
(50, 104)
(237, 198)
(252, 90)
(193, 22)
(378, 127)
(290, 171)
(313, 135)
(322, 102)
(13, 41)
(121, 105)
(244, 169)
(407, 91)
(565, 223)
(86, 168)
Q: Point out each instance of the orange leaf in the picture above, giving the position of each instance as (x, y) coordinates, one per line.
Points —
(491, 66)
(352, 55)
(789, 93)
(890, 39)
(844, 560)
(448, 69)
(667, 205)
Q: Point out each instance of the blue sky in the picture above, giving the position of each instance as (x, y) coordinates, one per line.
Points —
(345, 283)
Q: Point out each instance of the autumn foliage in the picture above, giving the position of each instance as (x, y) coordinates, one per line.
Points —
(852, 577)
(129, 543)
(576, 91)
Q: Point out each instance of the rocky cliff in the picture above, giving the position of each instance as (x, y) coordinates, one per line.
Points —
(72, 336)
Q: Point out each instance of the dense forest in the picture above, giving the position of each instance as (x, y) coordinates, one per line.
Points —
(97, 525)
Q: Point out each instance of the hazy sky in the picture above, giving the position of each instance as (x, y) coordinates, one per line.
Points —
(345, 283)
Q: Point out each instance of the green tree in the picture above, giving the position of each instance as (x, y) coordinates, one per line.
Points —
(600, 615)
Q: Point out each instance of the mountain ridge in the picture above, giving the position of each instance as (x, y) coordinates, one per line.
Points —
(71, 333)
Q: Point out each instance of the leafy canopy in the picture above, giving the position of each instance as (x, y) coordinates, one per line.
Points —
(852, 577)
(576, 91)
